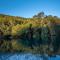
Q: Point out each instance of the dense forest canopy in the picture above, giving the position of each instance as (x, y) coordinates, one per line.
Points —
(32, 33)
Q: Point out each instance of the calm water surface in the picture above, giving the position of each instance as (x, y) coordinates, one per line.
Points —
(28, 56)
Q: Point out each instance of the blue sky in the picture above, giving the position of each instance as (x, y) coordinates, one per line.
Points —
(28, 8)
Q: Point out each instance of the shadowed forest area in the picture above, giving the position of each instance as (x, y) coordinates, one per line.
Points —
(39, 34)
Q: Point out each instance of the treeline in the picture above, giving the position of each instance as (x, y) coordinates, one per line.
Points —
(38, 34)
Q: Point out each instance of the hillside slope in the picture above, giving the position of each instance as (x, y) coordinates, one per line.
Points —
(30, 34)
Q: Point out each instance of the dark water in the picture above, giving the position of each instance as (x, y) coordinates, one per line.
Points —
(28, 56)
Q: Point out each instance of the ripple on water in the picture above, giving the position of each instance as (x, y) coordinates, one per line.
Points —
(26, 57)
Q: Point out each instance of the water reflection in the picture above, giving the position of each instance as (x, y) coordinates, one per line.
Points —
(16, 56)
(21, 56)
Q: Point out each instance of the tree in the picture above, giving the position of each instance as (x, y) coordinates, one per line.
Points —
(39, 15)
(30, 35)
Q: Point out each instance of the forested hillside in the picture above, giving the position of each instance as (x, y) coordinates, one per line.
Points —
(38, 34)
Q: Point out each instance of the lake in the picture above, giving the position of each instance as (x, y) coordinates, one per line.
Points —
(26, 56)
